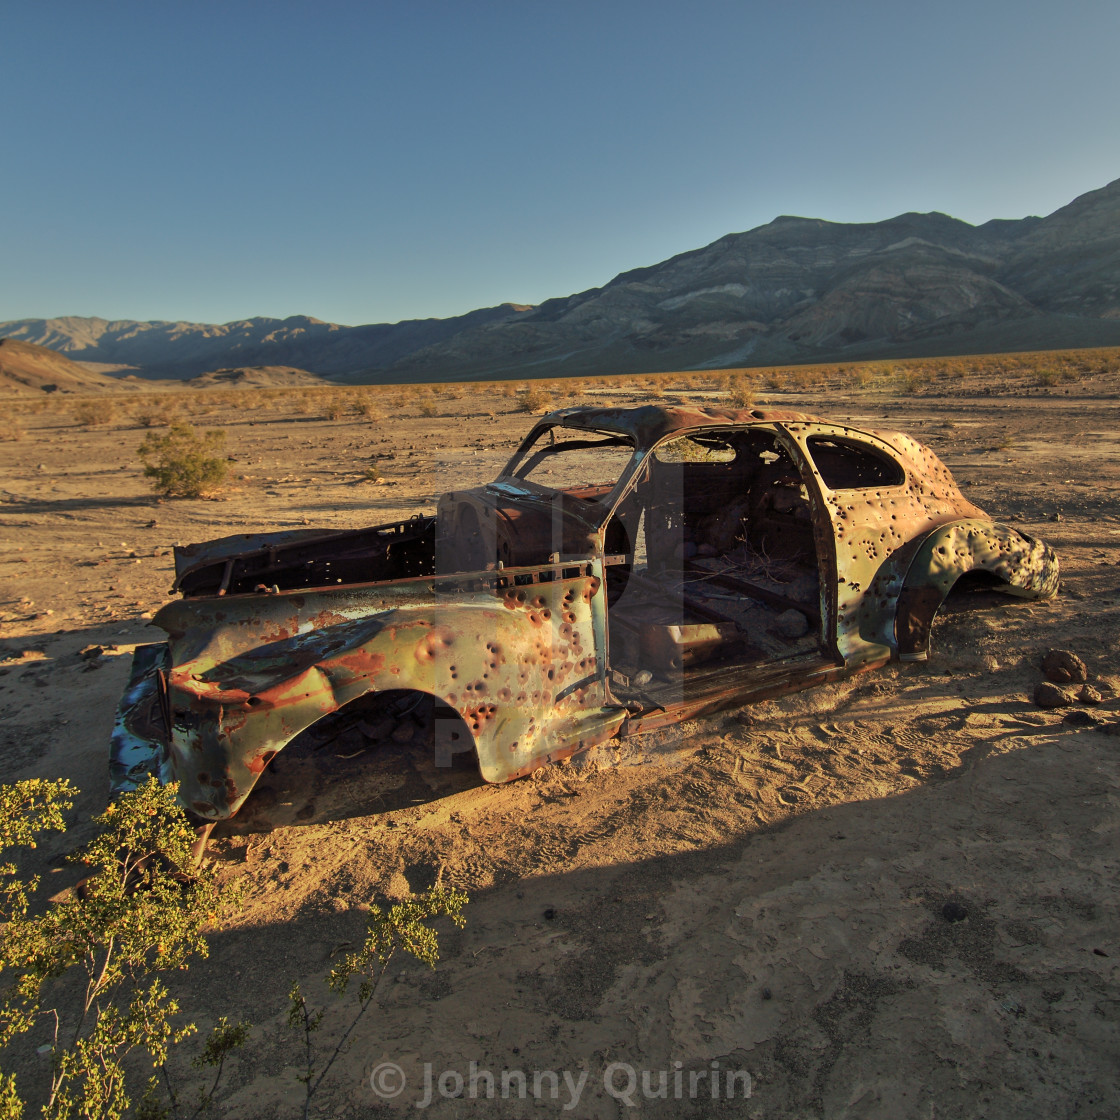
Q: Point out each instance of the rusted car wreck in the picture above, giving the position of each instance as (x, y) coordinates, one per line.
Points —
(628, 568)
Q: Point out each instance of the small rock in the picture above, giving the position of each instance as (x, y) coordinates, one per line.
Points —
(1081, 719)
(954, 912)
(90, 652)
(1063, 667)
(641, 678)
(1089, 695)
(549, 915)
(767, 994)
(1048, 695)
(791, 624)
(377, 729)
(404, 732)
(1112, 729)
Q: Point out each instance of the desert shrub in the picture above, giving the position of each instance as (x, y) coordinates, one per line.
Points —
(1049, 376)
(157, 415)
(534, 398)
(805, 377)
(337, 409)
(94, 412)
(428, 406)
(10, 431)
(143, 910)
(741, 392)
(365, 407)
(402, 928)
(184, 463)
(909, 380)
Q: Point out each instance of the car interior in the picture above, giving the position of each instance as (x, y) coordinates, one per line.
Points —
(712, 558)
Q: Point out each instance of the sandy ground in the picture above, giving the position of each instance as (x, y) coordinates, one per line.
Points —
(764, 891)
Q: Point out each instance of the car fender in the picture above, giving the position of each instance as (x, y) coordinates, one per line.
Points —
(521, 664)
(1022, 566)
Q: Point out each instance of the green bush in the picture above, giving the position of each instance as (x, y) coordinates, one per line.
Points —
(402, 928)
(184, 463)
(142, 909)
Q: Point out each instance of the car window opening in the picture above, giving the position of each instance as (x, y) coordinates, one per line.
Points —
(844, 465)
(573, 459)
(722, 557)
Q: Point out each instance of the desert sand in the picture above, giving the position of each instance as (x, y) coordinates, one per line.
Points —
(763, 889)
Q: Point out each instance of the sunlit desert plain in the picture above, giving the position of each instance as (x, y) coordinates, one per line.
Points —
(765, 889)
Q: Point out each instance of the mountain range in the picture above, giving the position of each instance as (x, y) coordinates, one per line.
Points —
(794, 290)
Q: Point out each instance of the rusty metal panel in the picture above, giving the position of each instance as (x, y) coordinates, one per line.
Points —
(520, 662)
(871, 529)
(1023, 566)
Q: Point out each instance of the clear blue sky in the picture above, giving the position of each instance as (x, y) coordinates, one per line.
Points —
(369, 162)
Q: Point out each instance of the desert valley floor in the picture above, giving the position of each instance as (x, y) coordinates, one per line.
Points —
(762, 888)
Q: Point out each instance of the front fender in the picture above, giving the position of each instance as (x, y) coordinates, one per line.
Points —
(519, 656)
(1024, 567)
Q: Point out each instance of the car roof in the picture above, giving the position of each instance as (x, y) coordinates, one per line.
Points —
(649, 423)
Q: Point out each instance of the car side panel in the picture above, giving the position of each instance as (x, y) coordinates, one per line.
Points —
(521, 662)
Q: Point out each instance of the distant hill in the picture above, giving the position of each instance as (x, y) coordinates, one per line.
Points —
(255, 377)
(27, 368)
(184, 350)
(795, 290)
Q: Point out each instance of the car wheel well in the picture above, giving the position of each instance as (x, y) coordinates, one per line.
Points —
(401, 716)
(919, 606)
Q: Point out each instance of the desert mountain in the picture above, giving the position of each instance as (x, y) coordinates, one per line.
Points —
(184, 350)
(794, 290)
(803, 289)
(25, 367)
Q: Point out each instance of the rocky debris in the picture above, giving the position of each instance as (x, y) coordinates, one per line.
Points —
(1081, 719)
(1051, 696)
(1062, 667)
(377, 729)
(404, 732)
(89, 653)
(954, 912)
(1089, 695)
(791, 624)
(1048, 695)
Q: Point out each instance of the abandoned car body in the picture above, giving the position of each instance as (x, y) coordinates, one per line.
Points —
(628, 568)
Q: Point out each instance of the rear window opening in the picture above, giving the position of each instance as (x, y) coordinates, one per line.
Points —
(845, 465)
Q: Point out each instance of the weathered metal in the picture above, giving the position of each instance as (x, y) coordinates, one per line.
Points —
(766, 552)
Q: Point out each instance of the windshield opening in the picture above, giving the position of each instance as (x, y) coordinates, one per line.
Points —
(561, 458)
